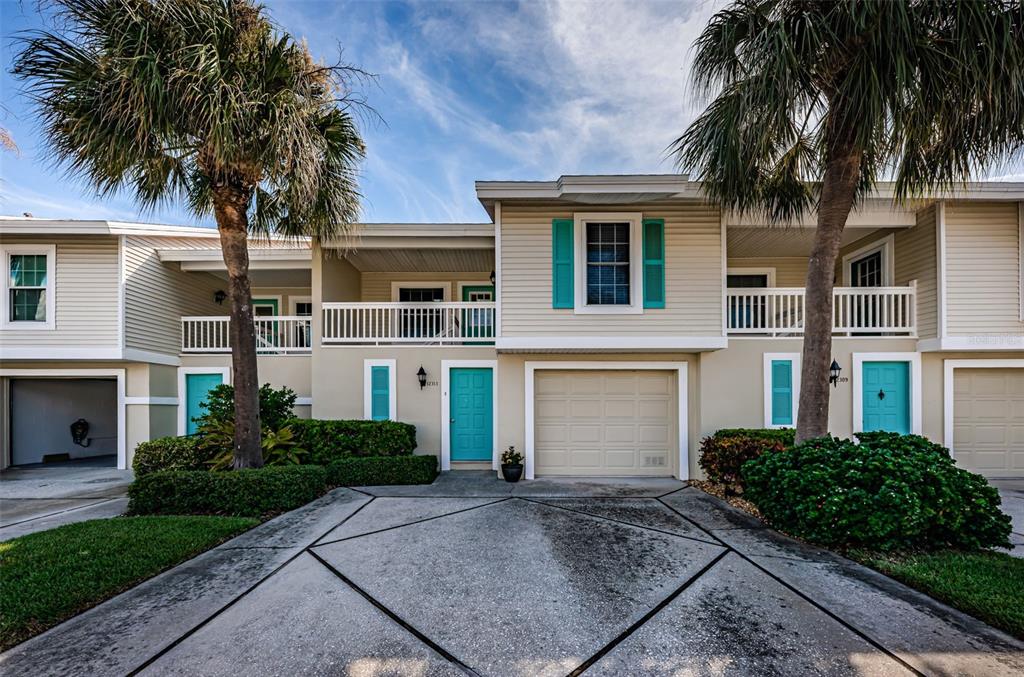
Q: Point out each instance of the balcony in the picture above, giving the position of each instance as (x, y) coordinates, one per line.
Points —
(436, 323)
(277, 335)
(856, 311)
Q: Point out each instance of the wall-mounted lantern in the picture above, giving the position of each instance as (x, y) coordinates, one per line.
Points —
(833, 373)
(219, 296)
(492, 277)
(421, 376)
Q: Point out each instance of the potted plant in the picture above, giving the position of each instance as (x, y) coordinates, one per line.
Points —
(511, 465)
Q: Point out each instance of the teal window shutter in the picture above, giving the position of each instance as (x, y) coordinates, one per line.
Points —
(562, 294)
(782, 392)
(654, 263)
(380, 393)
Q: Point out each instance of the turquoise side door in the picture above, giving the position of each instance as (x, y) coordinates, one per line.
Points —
(472, 414)
(886, 397)
(196, 387)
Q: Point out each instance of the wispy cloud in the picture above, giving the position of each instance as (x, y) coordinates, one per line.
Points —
(17, 200)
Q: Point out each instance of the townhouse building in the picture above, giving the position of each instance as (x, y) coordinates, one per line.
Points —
(600, 324)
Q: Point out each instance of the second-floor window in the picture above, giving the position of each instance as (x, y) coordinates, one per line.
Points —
(28, 281)
(607, 248)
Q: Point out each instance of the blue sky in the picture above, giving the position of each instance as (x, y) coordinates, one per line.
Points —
(467, 91)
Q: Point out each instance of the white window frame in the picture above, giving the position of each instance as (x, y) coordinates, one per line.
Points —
(446, 408)
(225, 378)
(368, 366)
(682, 402)
(397, 285)
(768, 272)
(635, 221)
(858, 386)
(886, 245)
(294, 301)
(794, 358)
(50, 252)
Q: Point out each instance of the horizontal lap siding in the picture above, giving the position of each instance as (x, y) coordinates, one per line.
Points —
(157, 294)
(693, 274)
(789, 271)
(87, 291)
(377, 286)
(915, 259)
(983, 268)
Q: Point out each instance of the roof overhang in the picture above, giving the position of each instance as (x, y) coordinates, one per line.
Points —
(592, 189)
(259, 258)
(18, 225)
(417, 236)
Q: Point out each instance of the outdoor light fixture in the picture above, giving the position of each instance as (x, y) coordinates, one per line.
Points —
(833, 373)
(492, 277)
(421, 375)
(219, 296)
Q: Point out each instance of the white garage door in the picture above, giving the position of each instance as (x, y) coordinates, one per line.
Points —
(605, 423)
(988, 421)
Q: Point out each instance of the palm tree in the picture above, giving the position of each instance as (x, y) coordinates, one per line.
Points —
(203, 103)
(815, 100)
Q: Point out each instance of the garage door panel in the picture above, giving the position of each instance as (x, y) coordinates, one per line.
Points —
(615, 422)
(988, 421)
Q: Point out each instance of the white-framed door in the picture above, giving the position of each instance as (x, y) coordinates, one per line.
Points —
(446, 407)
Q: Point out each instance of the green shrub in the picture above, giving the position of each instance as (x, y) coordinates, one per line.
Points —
(377, 470)
(276, 406)
(169, 453)
(890, 492)
(277, 446)
(327, 441)
(244, 493)
(723, 454)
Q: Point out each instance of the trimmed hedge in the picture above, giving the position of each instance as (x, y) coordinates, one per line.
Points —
(372, 471)
(328, 441)
(243, 493)
(170, 453)
(723, 454)
(890, 492)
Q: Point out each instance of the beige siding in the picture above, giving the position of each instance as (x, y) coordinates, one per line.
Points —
(789, 271)
(87, 295)
(983, 283)
(377, 286)
(693, 274)
(915, 259)
(157, 294)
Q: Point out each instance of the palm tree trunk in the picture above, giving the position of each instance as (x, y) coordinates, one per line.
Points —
(230, 206)
(838, 191)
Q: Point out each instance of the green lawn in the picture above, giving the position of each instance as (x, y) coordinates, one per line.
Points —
(987, 585)
(49, 576)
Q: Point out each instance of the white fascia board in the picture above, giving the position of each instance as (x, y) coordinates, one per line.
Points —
(214, 254)
(972, 343)
(690, 343)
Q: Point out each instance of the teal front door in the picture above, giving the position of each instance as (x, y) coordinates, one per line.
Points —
(196, 388)
(471, 422)
(886, 397)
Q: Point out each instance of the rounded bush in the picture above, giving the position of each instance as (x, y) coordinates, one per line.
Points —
(890, 492)
(330, 440)
(723, 454)
(169, 453)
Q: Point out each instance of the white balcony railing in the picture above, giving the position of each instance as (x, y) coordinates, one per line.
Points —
(274, 335)
(448, 323)
(780, 311)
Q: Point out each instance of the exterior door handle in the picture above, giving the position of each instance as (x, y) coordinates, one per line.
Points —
(881, 394)
(451, 420)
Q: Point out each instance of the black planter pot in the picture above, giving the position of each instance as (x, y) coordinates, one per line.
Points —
(512, 472)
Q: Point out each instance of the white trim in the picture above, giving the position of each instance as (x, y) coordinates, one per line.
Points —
(688, 343)
(769, 272)
(436, 284)
(368, 365)
(948, 394)
(915, 386)
(885, 245)
(682, 419)
(59, 353)
(794, 358)
(446, 431)
(293, 301)
(137, 355)
(256, 298)
(119, 374)
(975, 343)
(470, 283)
(497, 268)
(122, 291)
(153, 401)
(724, 245)
(1020, 253)
(635, 305)
(50, 252)
(225, 373)
(940, 253)
(303, 401)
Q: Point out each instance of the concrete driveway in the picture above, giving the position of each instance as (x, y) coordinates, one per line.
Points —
(34, 498)
(1012, 493)
(474, 576)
